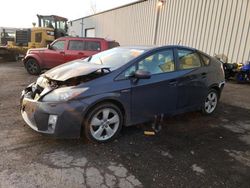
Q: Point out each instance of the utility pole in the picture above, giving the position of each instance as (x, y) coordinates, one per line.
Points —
(81, 28)
(158, 7)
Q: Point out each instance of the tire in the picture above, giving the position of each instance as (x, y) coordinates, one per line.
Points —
(32, 67)
(103, 123)
(211, 102)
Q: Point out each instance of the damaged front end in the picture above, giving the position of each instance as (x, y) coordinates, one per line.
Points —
(39, 88)
(48, 103)
(44, 85)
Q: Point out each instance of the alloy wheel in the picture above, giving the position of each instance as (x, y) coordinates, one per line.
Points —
(32, 67)
(211, 102)
(104, 124)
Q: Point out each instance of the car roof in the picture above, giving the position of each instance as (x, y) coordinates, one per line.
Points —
(96, 38)
(151, 47)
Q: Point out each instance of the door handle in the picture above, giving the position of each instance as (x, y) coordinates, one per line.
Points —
(80, 53)
(173, 82)
(204, 75)
(62, 53)
(125, 90)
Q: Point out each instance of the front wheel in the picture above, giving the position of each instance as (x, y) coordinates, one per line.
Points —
(103, 123)
(32, 67)
(210, 102)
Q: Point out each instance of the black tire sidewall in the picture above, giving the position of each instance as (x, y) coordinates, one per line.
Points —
(38, 67)
(203, 106)
(93, 112)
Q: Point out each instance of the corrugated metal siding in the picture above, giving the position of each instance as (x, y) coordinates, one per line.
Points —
(213, 26)
(132, 25)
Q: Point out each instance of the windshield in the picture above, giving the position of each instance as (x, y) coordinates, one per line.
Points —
(115, 57)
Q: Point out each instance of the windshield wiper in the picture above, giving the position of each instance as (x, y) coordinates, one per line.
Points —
(90, 57)
(101, 60)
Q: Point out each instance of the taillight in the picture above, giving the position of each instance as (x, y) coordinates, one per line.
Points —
(222, 69)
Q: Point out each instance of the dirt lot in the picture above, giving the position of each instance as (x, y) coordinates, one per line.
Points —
(190, 151)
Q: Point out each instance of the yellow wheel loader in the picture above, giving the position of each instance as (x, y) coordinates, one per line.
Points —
(49, 28)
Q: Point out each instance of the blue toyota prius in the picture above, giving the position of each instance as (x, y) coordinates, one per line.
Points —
(121, 87)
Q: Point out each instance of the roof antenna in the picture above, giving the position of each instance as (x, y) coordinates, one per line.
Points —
(179, 42)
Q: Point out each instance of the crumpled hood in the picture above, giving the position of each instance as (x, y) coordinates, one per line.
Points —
(72, 69)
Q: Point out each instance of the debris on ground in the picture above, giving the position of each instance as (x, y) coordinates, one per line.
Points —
(198, 169)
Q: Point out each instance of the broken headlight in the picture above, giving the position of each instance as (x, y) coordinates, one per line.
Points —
(42, 82)
(63, 94)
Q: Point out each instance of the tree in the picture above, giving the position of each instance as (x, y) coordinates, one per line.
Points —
(93, 6)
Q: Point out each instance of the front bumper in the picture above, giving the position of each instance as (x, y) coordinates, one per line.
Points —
(69, 117)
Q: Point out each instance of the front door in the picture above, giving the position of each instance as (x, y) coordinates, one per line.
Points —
(55, 55)
(157, 94)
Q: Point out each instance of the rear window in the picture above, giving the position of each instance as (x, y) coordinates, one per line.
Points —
(81, 45)
(76, 45)
(113, 44)
(205, 59)
(188, 59)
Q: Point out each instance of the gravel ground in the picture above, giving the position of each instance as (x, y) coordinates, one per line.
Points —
(191, 150)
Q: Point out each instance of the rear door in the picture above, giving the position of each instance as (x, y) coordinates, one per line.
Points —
(92, 47)
(55, 55)
(192, 84)
(81, 48)
(75, 50)
(159, 93)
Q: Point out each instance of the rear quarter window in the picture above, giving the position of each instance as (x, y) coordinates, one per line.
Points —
(112, 44)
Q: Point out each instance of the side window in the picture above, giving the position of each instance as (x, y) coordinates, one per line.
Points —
(58, 45)
(127, 72)
(159, 62)
(188, 59)
(38, 37)
(76, 45)
(92, 46)
(205, 60)
(130, 71)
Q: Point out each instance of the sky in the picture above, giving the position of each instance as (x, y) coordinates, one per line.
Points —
(21, 13)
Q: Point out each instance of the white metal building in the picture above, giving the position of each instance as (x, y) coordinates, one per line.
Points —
(213, 26)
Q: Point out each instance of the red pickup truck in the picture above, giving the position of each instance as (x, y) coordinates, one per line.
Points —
(63, 50)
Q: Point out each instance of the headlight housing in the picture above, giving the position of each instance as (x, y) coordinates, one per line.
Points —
(63, 94)
(42, 82)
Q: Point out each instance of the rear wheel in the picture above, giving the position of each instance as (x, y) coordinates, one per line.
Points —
(32, 67)
(210, 102)
(103, 123)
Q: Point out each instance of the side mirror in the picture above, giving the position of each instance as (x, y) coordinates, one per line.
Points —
(142, 74)
(49, 47)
